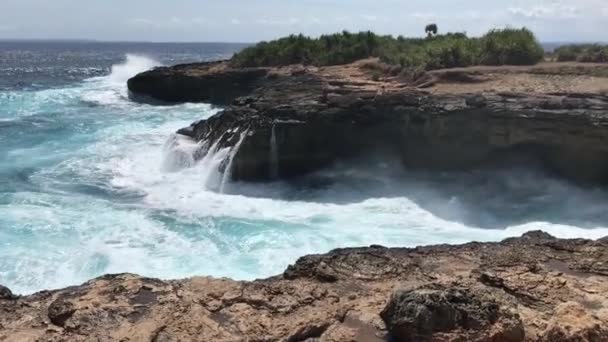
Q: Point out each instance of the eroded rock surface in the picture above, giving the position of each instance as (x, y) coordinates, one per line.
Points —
(554, 114)
(533, 288)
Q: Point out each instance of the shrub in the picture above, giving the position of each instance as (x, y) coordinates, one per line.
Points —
(586, 53)
(510, 46)
(497, 47)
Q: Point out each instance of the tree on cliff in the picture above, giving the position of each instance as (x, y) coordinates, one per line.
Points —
(431, 30)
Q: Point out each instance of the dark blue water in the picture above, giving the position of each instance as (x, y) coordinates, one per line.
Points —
(92, 183)
(39, 65)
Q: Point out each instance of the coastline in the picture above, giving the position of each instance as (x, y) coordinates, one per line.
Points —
(532, 288)
(281, 122)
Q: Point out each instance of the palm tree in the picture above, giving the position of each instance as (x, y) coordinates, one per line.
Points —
(431, 30)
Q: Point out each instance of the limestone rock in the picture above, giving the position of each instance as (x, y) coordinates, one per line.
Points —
(326, 114)
(533, 288)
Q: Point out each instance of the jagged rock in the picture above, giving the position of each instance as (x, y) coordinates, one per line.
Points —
(60, 311)
(5, 293)
(208, 82)
(521, 289)
(325, 114)
(424, 314)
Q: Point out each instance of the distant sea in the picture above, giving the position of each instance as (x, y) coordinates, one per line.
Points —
(93, 183)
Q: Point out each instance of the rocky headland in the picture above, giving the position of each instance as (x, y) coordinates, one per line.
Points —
(532, 288)
(299, 119)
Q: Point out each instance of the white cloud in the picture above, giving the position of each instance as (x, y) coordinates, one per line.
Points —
(246, 20)
(554, 10)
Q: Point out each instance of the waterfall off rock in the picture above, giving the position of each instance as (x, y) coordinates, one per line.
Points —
(181, 153)
(274, 154)
(233, 152)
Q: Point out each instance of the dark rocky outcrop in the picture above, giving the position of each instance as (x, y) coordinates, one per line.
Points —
(533, 288)
(202, 82)
(319, 115)
(5, 293)
(418, 315)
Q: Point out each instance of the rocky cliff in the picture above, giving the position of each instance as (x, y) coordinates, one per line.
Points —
(533, 288)
(299, 119)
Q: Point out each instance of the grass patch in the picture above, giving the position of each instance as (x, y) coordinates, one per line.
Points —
(497, 47)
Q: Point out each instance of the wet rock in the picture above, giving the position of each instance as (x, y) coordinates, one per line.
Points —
(213, 82)
(325, 114)
(417, 315)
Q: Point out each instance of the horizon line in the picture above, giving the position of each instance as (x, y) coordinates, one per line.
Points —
(78, 40)
(85, 40)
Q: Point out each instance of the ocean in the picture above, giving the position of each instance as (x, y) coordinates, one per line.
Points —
(93, 183)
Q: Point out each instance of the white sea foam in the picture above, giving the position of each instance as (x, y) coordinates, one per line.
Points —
(112, 89)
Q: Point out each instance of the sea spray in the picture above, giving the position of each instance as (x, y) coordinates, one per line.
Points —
(274, 154)
(233, 152)
(112, 89)
(180, 152)
(133, 65)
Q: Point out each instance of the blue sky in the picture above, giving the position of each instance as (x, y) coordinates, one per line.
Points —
(254, 20)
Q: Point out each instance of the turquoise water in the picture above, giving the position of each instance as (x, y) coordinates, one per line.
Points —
(92, 183)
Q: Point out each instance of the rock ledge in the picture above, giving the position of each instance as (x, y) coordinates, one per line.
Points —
(300, 119)
(533, 288)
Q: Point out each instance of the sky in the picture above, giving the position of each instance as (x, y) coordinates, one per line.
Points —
(255, 20)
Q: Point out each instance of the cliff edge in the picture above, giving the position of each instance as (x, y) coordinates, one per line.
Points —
(298, 119)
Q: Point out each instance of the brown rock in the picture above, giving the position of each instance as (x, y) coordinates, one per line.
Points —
(572, 322)
(534, 288)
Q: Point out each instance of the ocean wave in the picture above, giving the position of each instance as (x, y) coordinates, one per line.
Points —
(112, 89)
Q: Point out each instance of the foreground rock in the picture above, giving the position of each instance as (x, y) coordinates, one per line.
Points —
(533, 288)
(299, 119)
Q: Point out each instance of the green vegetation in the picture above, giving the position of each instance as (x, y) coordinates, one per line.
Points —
(339, 48)
(497, 47)
(587, 53)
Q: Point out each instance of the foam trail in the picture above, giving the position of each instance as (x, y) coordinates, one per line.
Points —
(274, 155)
(233, 152)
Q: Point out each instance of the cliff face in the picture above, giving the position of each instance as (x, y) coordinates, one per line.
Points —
(533, 288)
(301, 119)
